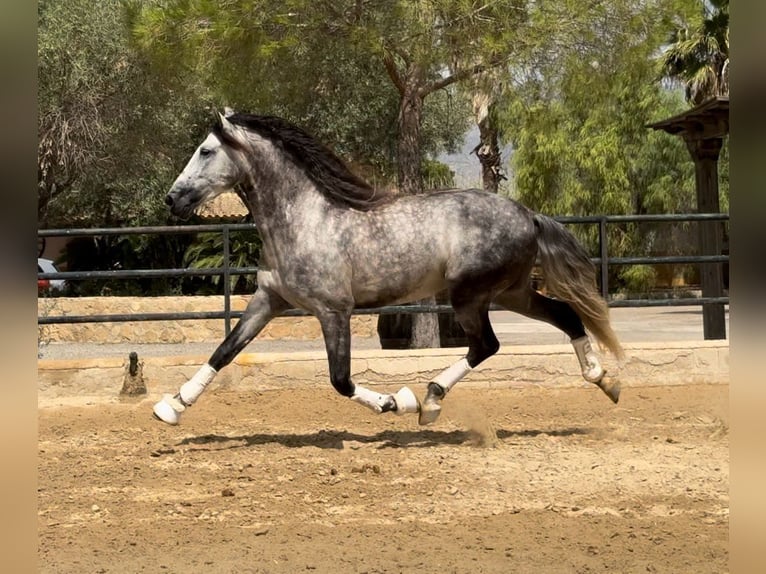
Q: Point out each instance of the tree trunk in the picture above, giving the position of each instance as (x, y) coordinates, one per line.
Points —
(425, 326)
(408, 148)
(488, 150)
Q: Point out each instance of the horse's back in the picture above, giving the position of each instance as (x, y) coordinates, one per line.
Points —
(471, 217)
(487, 231)
(417, 245)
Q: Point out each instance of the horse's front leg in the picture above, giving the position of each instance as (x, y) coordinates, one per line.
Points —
(336, 328)
(263, 306)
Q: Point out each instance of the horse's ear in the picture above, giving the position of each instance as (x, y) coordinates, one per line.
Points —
(227, 131)
(227, 128)
(227, 113)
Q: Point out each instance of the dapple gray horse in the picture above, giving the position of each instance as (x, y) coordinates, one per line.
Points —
(332, 244)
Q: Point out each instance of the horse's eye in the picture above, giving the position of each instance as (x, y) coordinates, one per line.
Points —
(205, 151)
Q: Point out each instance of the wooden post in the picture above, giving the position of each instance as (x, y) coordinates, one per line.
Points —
(703, 129)
(704, 152)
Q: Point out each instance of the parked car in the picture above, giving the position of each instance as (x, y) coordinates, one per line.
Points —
(47, 266)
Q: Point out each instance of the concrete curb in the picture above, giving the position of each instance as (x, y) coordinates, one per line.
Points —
(86, 381)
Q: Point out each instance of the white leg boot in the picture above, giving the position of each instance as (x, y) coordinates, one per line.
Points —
(402, 402)
(592, 371)
(170, 408)
(438, 389)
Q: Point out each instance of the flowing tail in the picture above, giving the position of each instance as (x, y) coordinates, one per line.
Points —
(571, 276)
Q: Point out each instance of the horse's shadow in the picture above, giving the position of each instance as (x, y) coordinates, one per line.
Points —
(385, 439)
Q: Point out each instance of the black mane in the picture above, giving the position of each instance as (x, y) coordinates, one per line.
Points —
(325, 169)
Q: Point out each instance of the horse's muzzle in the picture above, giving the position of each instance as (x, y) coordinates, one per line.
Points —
(179, 204)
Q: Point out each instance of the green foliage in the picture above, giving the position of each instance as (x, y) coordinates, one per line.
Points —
(111, 132)
(207, 252)
(306, 61)
(698, 54)
(639, 278)
(437, 175)
(581, 145)
(577, 117)
(325, 63)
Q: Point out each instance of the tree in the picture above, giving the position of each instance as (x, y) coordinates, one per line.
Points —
(111, 132)
(434, 46)
(577, 119)
(574, 109)
(310, 62)
(340, 63)
(698, 55)
(76, 78)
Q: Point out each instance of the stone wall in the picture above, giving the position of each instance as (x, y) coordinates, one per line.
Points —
(187, 331)
(91, 381)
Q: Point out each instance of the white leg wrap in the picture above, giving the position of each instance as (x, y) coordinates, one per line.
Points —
(592, 371)
(193, 388)
(372, 400)
(451, 375)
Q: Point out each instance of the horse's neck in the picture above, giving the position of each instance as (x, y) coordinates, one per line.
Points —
(284, 220)
(286, 207)
(281, 210)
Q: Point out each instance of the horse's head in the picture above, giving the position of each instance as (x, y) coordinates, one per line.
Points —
(212, 170)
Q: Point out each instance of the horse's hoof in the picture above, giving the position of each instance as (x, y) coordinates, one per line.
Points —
(429, 412)
(406, 401)
(169, 410)
(611, 389)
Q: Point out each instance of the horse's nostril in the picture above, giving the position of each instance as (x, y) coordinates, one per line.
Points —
(169, 200)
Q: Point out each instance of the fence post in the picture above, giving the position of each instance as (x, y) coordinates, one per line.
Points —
(226, 287)
(604, 249)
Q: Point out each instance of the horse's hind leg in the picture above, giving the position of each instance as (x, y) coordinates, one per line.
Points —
(263, 306)
(560, 314)
(473, 316)
(336, 329)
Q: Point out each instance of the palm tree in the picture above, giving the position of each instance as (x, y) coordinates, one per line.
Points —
(699, 54)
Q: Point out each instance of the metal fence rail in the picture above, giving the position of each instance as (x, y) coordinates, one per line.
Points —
(603, 261)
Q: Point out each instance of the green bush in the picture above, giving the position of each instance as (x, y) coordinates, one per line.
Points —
(638, 279)
(437, 175)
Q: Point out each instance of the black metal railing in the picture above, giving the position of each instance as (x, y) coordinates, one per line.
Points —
(603, 261)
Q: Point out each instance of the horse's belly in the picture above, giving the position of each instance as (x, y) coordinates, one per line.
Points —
(390, 291)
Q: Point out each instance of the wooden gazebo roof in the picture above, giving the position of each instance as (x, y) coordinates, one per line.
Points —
(710, 119)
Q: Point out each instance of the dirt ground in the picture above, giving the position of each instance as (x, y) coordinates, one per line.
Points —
(527, 480)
